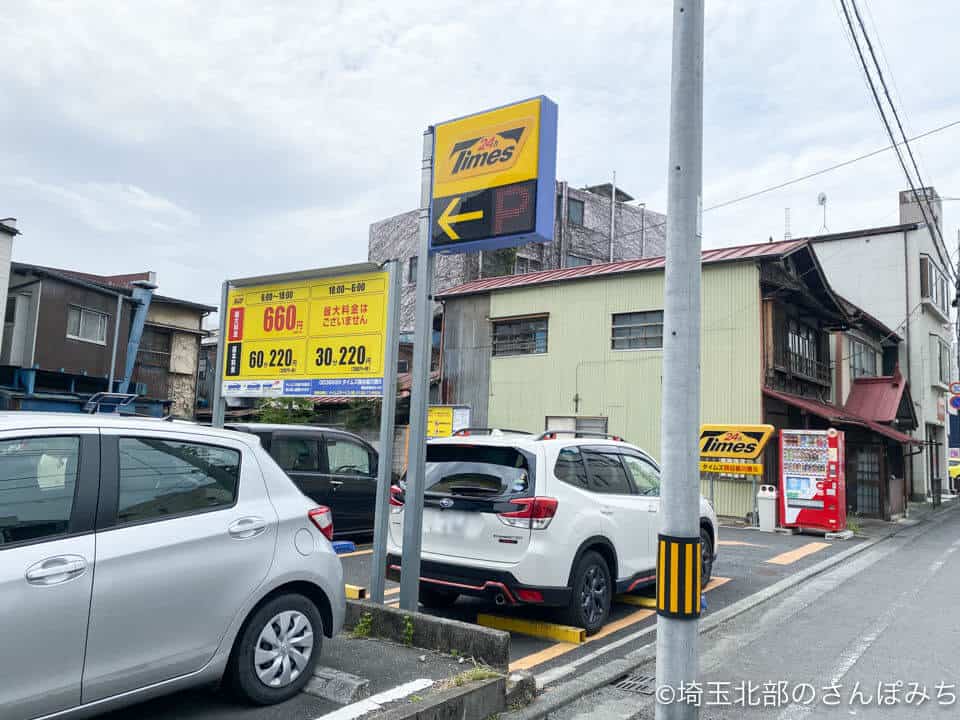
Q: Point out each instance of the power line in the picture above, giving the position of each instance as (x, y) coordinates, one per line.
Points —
(814, 174)
(886, 122)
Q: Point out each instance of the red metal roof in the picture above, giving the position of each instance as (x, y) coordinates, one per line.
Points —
(728, 254)
(877, 398)
(833, 414)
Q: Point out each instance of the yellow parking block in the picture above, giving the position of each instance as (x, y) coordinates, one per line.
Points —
(355, 592)
(801, 552)
(534, 628)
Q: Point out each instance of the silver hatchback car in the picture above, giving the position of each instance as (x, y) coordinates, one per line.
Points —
(140, 557)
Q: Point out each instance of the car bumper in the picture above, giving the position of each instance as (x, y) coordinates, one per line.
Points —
(496, 585)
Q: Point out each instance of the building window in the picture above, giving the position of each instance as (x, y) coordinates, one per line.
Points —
(933, 285)
(86, 325)
(575, 211)
(578, 260)
(524, 336)
(10, 315)
(939, 361)
(637, 330)
(527, 265)
(412, 270)
(803, 353)
(403, 366)
(863, 359)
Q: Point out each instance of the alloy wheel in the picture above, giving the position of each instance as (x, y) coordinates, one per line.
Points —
(593, 594)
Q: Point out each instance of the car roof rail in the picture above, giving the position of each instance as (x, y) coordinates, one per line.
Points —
(468, 431)
(108, 402)
(553, 435)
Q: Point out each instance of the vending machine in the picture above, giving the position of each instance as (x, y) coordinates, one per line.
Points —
(813, 491)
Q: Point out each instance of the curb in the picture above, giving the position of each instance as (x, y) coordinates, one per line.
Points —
(481, 699)
(489, 647)
(600, 677)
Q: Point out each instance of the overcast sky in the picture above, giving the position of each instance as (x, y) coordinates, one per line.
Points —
(206, 140)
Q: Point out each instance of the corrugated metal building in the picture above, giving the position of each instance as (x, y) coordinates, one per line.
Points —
(582, 348)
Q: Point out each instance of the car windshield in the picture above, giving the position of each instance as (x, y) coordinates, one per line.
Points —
(477, 471)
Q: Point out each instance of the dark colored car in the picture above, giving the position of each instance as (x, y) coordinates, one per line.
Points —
(332, 467)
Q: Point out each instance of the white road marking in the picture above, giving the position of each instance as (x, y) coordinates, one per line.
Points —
(375, 702)
(856, 650)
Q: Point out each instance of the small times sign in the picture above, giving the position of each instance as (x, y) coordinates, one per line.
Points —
(493, 178)
(306, 337)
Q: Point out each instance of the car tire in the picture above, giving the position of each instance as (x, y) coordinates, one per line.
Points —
(591, 593)
(276, 651)
(706, 557)
(437, 598)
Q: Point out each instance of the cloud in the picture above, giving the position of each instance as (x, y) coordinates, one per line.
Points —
(204, 140)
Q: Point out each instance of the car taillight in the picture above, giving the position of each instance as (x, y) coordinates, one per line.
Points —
(535, 513)
(396, 499)
(323, 519)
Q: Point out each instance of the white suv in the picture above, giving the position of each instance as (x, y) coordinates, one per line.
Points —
(560, 519)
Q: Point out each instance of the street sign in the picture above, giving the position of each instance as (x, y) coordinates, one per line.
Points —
(741, 442)
(440, 421)
(955, 388)
(731, 467)
(955, 402)
(493, 178)
(306, 336)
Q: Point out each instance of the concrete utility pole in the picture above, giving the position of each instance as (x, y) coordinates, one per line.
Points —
(613, 213)
(677, 626)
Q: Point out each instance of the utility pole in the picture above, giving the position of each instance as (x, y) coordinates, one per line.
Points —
(678, 568)
(613, 212)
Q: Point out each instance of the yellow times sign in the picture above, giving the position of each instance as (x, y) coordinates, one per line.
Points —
(439, 421)
(731, 468)
(307, 337)
(740, 442)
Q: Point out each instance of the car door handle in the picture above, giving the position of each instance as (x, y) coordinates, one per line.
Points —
(247, 527)
(336, 483)
(55, 570)
(607, 511)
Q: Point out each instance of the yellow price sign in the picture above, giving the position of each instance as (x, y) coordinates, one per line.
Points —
(439, 421)
(307, 337)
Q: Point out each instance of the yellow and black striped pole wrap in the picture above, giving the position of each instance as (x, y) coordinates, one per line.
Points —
(678, 577)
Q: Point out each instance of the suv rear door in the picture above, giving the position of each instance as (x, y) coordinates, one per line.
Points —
(467, 487)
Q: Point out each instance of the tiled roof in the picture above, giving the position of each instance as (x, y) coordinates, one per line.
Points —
(832, 413)
(718, 255)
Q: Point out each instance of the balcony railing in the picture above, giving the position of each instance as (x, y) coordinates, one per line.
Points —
(803, 366)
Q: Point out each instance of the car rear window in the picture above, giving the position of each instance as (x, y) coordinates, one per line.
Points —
(478, 471)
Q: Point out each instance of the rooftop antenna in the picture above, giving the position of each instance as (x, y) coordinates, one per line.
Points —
(787, 235)
(822, 202)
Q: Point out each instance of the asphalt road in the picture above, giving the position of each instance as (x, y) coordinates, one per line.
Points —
(881, 625)
(743, 567)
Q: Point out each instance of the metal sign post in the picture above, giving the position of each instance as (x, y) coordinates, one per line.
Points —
(217, 403)
(388, 410)
(419, 392)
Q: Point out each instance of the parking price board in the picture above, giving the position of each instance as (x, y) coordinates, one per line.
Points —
(311, 337)
(493, 178)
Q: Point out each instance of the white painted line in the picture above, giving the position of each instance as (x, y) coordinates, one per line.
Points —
(375, 702)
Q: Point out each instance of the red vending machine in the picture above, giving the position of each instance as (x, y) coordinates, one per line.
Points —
(813, 490)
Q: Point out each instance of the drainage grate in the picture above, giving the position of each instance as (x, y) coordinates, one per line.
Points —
(636, 683)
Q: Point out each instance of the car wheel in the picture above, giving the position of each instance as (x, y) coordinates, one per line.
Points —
(277, 650)
(591, 593)
(706, 557)
(431, 597)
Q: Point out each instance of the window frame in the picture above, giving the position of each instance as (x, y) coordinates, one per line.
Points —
(494, 322)
(412, 266)
(610, 451)
(858, 348)
(372, 458)
(613, 327)
(86, 488)
(588, 260)
(83, 309)
(934, 285)
(316, 438)
(571, 201)
(108, 508)
(643, 459)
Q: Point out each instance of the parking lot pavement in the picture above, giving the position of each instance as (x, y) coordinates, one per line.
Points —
(748, 562)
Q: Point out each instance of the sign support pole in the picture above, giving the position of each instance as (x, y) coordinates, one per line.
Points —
(419, 391)
(217, 403)
(388, 411)
(677, 628)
